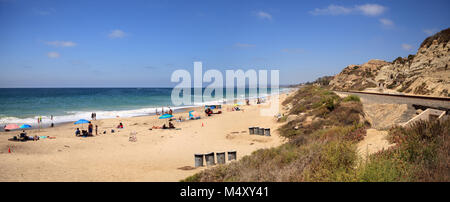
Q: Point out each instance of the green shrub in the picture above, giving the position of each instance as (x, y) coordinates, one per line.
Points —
(336, 162)
(383, 168)
(421, 154)
(350, 98)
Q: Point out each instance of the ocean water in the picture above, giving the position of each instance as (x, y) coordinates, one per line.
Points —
(25, 105)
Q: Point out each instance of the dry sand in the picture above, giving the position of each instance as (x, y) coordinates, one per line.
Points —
(381, 118)
(374, 141)
(157, 155)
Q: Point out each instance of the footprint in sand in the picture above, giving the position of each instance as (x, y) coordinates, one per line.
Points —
(186, 168)
(230, 136)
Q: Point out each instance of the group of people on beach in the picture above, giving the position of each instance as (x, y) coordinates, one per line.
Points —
(171, 126)
(24, 137)
(162, 111)
(89, 132)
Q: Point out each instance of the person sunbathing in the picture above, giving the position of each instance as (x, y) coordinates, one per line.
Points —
(78, 132)
(24, 137)
(84, 133)
(120, 125)
(208, 111)
(171, 125)
(157, 127)
(164, 126)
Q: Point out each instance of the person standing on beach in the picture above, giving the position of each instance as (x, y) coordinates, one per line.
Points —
(90, 128)
(170, 111)
(40, 121)
(96, 129)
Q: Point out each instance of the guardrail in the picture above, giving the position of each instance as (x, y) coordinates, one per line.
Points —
(416, 106)
(400, 95)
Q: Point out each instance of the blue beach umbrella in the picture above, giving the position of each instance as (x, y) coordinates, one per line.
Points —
(25, 126)
(165, 116)
(81, 121)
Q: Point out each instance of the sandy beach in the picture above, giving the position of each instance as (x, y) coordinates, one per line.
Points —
(157, 155)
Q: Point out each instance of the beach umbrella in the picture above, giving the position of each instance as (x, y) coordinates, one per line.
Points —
(165, 116)
(81, 121)
(11, 127)
(25, 126)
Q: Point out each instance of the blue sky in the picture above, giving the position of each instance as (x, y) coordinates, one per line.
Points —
(140, 43)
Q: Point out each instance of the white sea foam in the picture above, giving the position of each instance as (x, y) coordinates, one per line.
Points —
(76, 115)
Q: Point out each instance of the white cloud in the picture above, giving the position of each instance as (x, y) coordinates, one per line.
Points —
(244, 45)
(264, 15)
(331, 10)
(371, 9)
(366, 9)
(386, 22)
(53, 55)
(407, 47)
(116, 34)
(430, 32)
(61, 43)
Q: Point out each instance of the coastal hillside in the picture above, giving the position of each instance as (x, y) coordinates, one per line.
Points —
(425, 73)
(323, 132)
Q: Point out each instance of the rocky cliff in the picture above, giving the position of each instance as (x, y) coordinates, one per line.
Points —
(426, 73)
